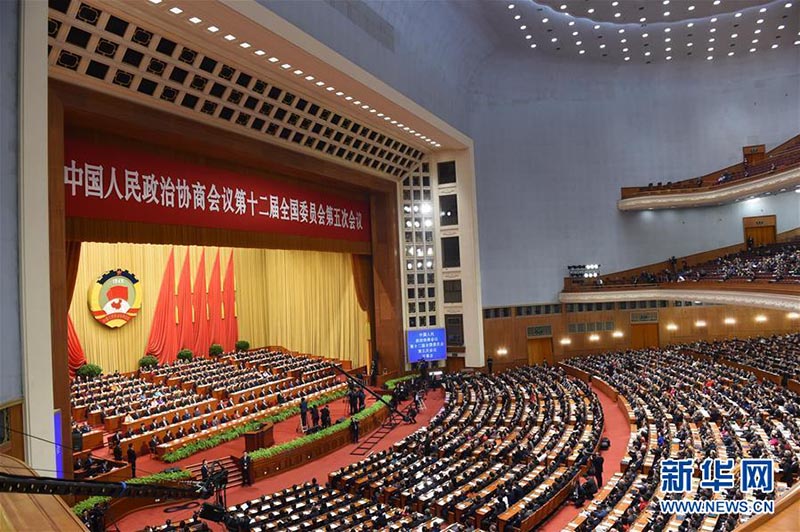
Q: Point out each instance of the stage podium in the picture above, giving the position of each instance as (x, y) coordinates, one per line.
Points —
(258, 439)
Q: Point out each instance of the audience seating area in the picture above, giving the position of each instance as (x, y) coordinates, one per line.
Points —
(680, 407)
(784, 157)
(777, 355)
(163, 408)
(313, 507)
(772, 263)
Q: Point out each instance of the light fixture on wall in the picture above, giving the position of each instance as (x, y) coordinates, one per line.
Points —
(565, 341)
(761, 318)
(793, 315)
(672, 327)
(617, 334)
(700, 323)
(502, 351)
(730, 321)
(594, 337)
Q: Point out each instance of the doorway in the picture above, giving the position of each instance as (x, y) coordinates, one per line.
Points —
(540, 350)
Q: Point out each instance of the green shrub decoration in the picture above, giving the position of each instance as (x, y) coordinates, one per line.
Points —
(89, 370)
(215, 350)
(269, 452)
(231, 434)
(185, 355)
(157, 478)
(242, 345)
(148, 361)
(392, 384)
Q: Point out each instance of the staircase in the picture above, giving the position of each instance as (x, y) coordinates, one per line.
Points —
(229, 463)
(367, 444)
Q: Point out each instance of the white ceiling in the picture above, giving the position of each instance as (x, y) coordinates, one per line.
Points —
(650, 31)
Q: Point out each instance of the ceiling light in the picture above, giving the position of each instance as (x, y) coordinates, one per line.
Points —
(760, 21)
(787, 5)
(647, 54)
(510, 6)
(710, 48)
(669, 58)
(757, 31)
(309, 78)
(666, 13)
(710, 57)
(582, 52)
(793, 315)
(737, 15)
(643, 19)
(689, 44)
(602, 46)
(752, 50)
(563, 6)
(554, 39)
(645, 35)
(734, 35)
(622, 30)
(260, 52)
(730, 54)
(545, 20)
(729, 321)
(578, 43)
(195, 20)
(754, 41)
(565, 341)
(286, 66)
(781, 27)
(523, 27)
(627, 59)
(597, 26)
(213, 29)
(711, 39)
(761, 318)
(329, 89)
(796, 43)
(672, 327)
(155, 1)
(230, 37)
(574, 33)
(623, 41)
(700, 323)
(668, 49)
(689, 25)
(594, 337)
(691, 8)
(590, 10)
(667, 40)
(762, 10)
(528, 37)
(774, 46)
(365, 106)
(357, 102)
(713, 20)
(533, 45)
(517, 17)
(617, 15)
(624, 49)
(176, 10)
(380, 115)
(614, 4)
(617, 334)
(571, 23)
(665, 2)
(320, 83)
(245, 45)
(712, 30)
(667, 30)
(393, 122)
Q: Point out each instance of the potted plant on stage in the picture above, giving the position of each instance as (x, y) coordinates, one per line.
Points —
(185, 355)
(89, 371)
(215, 350)
(242, 345)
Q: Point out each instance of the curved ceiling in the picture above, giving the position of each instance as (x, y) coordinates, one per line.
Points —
(652, 31)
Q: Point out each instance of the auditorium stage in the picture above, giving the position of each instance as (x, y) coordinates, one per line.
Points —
(318, 469)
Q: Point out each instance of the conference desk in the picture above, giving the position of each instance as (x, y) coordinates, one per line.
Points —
(92, 439)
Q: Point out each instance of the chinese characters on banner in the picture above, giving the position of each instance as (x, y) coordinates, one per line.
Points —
(426, 344)
(108, 182)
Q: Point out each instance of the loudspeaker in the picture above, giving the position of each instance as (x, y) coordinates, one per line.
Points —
(212, 512)
(340, 420)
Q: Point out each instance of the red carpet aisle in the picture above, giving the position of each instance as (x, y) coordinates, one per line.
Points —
(618, 431)
(318, 469)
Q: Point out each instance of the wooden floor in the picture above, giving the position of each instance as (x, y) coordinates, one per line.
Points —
(23, 512)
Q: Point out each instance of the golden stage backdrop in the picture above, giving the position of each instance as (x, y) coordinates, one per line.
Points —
(303, 300)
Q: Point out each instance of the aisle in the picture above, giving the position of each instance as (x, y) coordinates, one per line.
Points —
(318, 469)
(618, 431)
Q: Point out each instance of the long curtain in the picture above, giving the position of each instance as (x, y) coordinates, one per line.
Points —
(185, 334)
(215, 327)
(75, 354)
(163, 328)
(303, 300)
(200, 308)
(229, 305)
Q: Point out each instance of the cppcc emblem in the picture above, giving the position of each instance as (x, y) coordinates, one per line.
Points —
(116, 298)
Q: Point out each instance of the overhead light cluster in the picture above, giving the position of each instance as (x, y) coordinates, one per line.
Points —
(610, 26)
(231, 38)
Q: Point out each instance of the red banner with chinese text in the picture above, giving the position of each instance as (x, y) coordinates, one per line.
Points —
(108, 182)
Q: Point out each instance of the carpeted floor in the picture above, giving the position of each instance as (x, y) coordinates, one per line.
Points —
(283, 431)
(617, 430)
